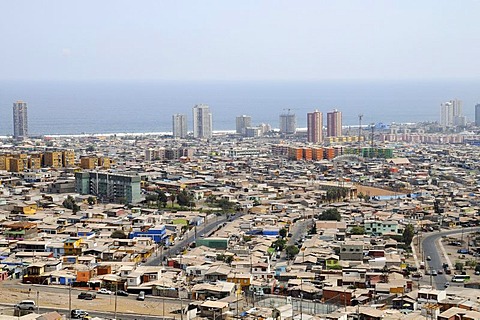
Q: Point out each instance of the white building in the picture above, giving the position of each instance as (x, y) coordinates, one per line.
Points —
(202, 122)
(179, 123)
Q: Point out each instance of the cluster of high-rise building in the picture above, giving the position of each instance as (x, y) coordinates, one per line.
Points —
(451, 114)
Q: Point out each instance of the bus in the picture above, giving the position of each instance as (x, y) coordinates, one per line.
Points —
(460, 278)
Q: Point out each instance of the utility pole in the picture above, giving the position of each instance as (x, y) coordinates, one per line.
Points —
(70, 301)
(360, 116)
(116, 295)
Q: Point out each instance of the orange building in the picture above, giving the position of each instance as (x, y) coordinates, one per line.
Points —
(329, 153)
(295, 153)
(307, 154)
(317, 153)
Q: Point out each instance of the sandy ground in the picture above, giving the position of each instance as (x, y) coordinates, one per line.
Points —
(151, 306)
(374, 191)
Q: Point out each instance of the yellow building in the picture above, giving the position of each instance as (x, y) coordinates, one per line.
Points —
(72, 246)
(88, 162)
(16, 165)
(68, 158)
(35, 161)
(104, 162)
(53, 159)
(28, 208)
(5, 162)
(240, 279)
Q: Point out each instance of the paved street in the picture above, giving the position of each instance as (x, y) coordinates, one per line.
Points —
(430, 249)
(189, 237)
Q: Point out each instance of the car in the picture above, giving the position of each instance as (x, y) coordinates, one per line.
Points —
(141, 296)
(429, 258)
(440, 271)
(122, 293)
(447, 284)
(477, 273)
(434, 272)
(26, 305)
(104, 291)
(78, 314)
(87, 295)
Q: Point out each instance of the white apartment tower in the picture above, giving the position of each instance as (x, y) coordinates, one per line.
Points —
(243, 122)
(179, 123)
(20, 120)
(202, 122)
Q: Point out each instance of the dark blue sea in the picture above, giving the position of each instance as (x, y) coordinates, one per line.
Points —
(56, 107)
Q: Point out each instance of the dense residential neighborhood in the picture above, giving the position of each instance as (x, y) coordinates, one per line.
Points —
(240, 228)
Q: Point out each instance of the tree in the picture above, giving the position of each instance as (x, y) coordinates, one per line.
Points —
(291, 251)
(184, 199)
(70, 203)
(226, 205)
(162, 199)
(330, 214)
(358, 230)
(408, 234)
(279, 245)
(282, 232)
(91, 200)
(118, 234)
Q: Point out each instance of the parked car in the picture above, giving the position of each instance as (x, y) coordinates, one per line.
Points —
(122, 293)
(26, 305)
(87, 295)
(78, 314)
(104, 291)
(141, 296)
(434, 272)
(447, 284)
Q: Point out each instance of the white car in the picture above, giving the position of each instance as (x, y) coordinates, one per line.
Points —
(26, 305)
(104, 291)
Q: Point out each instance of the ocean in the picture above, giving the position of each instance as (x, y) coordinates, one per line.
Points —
(69, 107)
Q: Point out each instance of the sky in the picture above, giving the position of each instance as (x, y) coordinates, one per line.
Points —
(239, 40)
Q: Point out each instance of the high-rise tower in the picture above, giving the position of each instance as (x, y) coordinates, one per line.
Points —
(202, 121)
(242, 123)
(451, 113)
(477, 114)
(20, 120)
(179, 123)
(315, 127)
(334, 123)
(288, 123)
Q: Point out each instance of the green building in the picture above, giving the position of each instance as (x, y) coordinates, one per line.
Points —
(368, 152)
(214, 243)
(109, 187)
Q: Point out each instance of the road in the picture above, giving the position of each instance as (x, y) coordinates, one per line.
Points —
(8, 308)
(430, 249)
(189, 237)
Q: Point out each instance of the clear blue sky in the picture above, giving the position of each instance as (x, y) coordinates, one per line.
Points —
(239, 40)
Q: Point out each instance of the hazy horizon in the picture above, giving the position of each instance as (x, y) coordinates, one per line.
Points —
(250, 40)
